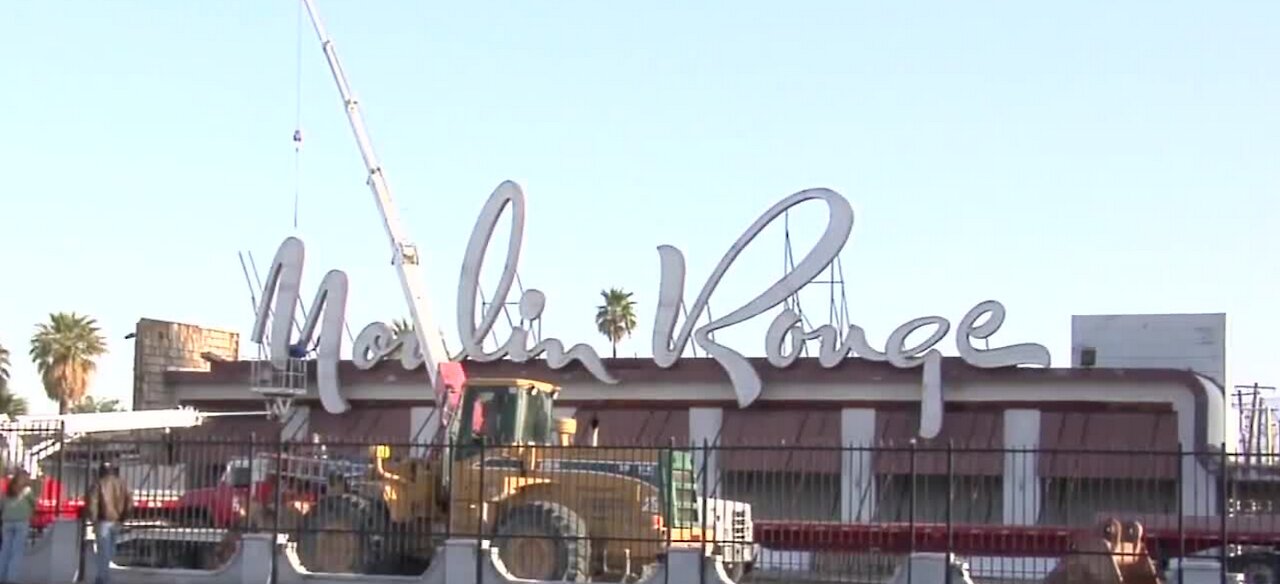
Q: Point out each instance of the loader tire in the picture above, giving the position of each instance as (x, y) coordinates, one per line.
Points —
(544, 541)
(342, 535)
(735, 571)
(1259, 571)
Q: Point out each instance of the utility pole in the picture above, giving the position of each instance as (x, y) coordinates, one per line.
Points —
(1256, 420)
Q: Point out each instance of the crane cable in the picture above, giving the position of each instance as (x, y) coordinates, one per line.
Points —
(297, 159)
(297, 132)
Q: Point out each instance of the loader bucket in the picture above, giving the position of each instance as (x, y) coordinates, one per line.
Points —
(1112, 552)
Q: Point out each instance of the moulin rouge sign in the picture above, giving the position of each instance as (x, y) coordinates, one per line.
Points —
(783, 339)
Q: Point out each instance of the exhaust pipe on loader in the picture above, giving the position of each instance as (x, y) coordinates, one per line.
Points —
(566, 428)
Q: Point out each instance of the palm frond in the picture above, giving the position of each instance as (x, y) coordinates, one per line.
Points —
(616, 317)
(64, 350)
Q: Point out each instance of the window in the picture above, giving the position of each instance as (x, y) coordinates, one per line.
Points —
(537, 419)
(1078, 501)
(796, 496)
(490, 407)
(974, 499)
(491, 418)
(238, 476)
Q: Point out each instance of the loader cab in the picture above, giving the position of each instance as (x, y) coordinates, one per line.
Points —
(504, 412)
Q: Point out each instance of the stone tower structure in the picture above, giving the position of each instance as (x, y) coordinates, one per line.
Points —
(161, 346)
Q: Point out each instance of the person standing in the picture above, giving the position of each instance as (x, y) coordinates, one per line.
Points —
(108, 505)
(16, 509)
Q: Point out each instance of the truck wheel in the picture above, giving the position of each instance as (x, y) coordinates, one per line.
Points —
(1259, 572)
(544, 541)
(341, 535)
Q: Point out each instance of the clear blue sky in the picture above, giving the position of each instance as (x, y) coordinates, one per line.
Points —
(1069, 158)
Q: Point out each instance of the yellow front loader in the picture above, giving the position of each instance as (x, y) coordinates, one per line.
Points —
(511, 474)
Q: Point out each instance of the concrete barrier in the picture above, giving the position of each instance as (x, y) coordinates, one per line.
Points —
(53, 560)
(923, 568)
(250, 564)
(467, 561)
(1198, 571)
(931, 569)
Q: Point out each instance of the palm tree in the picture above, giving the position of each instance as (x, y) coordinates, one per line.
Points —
(4, 368)
(89, 405)
(63, 351)
(616, 318)
(10, 404)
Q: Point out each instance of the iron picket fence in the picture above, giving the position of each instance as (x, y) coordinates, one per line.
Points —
(770, 513)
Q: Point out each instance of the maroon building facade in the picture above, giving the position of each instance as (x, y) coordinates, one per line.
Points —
(820, 441)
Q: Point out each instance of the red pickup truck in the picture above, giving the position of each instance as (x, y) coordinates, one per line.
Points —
(241, 488)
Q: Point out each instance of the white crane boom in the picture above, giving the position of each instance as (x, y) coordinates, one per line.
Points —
(405, 256)
(60, 429)
(80, 424)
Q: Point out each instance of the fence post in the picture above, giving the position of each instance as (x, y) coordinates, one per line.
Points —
(911, 510)
(950, 508)
(81, 524)
(668, 507)
(1182, 528)
(279, 505)
(248, 500)
(1224, 497)
(667, 498)
(702, 515)
(483, 508)
(62, 458)
(448, 454)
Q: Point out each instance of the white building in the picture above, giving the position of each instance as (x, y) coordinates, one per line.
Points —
(1194, 342)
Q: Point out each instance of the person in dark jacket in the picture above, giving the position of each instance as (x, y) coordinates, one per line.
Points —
(107, 506)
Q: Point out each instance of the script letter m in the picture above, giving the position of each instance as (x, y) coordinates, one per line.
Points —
(328, 312)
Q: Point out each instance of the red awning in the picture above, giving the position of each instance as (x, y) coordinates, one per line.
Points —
(634, 427)
(1142, 443)
(781, 440)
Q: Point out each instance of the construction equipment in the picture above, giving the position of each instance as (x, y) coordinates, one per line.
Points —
(554, 511)
(500, 470)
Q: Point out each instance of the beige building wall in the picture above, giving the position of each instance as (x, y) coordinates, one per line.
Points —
(161, 346)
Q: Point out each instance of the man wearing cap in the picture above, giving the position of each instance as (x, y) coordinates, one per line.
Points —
(107, 505)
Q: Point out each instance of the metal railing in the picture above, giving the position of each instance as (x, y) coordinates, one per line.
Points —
(781, 513)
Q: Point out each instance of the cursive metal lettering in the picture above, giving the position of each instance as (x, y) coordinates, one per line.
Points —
(531, 302)
(283, 284)
(784, 340)
(1020, 354)
(745, 379)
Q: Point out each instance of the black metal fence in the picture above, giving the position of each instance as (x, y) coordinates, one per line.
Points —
(790, 514)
